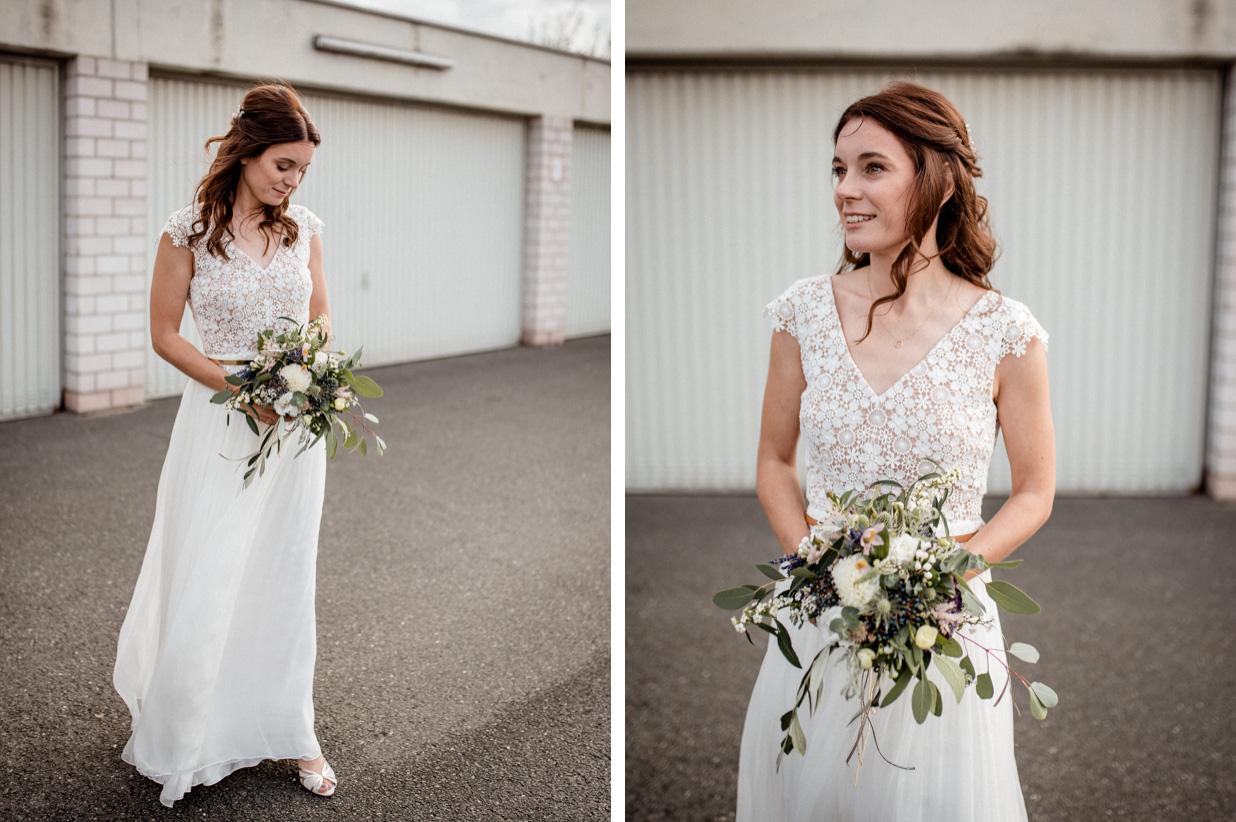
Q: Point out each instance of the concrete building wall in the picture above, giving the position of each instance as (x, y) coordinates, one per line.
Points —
(107, 51)
(696, 36)
(1026, 30)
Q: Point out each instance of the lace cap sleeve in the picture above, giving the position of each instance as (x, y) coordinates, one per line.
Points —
(313, 223)
(178, 226)
(1020, 327)
(783, 311)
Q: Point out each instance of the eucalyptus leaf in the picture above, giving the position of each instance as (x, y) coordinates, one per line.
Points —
(937, 701)
(967, 666)
(899, 685)
(952, 674)
(804, 573)
(365, 386)
(786, 646)
(221, 397)
(921, 700)
(1011, 598)
(252, 425)
(232, 379)
(1024, 652)
(362, 448)
(1045, 694)
(770, 572)
(370, 417)
(949, 646)
(1037, 709)
(983, 686)
(731, 599)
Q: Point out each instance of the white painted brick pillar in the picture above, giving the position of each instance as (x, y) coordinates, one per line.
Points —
(547, 230)
(105, 336)
(1221, 422)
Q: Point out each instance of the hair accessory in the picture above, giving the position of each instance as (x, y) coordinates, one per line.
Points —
(969, 137)
(239, 113)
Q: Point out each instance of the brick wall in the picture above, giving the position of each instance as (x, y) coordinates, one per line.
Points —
(547, 230)
(1221, 425)
(105, 337)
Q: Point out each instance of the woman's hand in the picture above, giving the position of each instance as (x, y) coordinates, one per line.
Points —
(265, 413)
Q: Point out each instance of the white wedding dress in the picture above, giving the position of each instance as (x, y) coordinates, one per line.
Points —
(963, 764)
(215, 657)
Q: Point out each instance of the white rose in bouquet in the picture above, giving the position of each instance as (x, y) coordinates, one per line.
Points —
(296, 377)
(283, 406)
(903, 547)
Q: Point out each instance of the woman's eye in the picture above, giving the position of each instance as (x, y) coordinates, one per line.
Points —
(874, 167)
(838, 172)
(282, 168)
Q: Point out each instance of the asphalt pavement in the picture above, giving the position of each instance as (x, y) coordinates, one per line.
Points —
(1137, 636)
(463, 661)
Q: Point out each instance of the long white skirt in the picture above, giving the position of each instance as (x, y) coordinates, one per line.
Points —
(964, 769)
(216, 653)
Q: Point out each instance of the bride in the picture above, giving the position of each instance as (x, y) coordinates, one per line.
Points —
(215, 657)
(906, 353)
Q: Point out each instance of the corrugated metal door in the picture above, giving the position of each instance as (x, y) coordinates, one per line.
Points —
(1102, 190)
(588, 277)
(30, 148)
(423, 210)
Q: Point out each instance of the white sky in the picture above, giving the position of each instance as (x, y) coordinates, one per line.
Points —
(511, 18)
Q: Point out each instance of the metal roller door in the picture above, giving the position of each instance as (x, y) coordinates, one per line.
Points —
(30, 256)
(1102, 189)
(423, 210)
(588, 275)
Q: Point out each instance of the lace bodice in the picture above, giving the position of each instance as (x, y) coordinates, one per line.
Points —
(942, 408)
(233, 300)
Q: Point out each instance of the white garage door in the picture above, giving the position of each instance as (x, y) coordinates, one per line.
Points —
(423, 210)
(588, 275)
(1102, 189)
(29, 237)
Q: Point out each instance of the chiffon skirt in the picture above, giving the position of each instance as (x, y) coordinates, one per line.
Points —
(215, 657)
(964, 769)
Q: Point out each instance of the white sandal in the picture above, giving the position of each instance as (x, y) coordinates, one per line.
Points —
(314, 782)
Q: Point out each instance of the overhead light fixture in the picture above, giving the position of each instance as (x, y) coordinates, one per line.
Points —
(414, 58)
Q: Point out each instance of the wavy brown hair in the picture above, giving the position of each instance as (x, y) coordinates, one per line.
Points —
(935, 136)
(270, 114)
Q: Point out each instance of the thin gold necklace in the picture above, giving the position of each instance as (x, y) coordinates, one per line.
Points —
(897, 343)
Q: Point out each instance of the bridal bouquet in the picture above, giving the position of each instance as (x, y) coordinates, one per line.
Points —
(889, 596)
(314, 389)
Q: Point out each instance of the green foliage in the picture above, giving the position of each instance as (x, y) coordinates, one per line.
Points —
(1011, 598)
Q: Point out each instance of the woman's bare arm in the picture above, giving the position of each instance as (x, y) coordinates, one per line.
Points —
(1024, 410)
(776, 475)
(169, 291)
(318, 302)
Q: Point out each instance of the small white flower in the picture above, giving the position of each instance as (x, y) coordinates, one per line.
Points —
(866, 657)
(925, 637)
(320, 363)
(340, 403)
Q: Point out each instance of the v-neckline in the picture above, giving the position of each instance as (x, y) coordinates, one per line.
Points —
(854, 363)
(261, 270)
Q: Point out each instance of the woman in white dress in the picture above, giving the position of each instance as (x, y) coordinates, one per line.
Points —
(906, 353)
(215, 657)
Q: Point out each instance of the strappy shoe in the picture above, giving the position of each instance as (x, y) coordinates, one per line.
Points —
(316, 783)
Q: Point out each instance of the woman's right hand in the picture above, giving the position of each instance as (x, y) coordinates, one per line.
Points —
(265, 414)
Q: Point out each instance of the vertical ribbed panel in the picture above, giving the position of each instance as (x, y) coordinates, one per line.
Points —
(30, 147)
(588, 277)
(423, 210)
(1102, 190)
(181, 116)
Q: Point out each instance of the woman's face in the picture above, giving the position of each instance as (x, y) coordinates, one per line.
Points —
(873, 176)
(273, 176)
